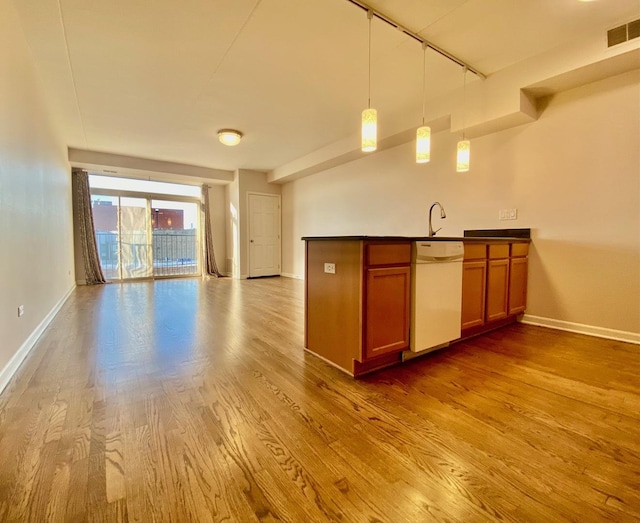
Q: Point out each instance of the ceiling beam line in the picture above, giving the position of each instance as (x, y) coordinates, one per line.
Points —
(416, 36)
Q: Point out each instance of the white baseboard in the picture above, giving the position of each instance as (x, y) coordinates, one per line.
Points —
(291, 275)
(590, 330)
(16, 360)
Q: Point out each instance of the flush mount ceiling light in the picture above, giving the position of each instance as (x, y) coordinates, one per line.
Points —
(229, 136)
(369, 115)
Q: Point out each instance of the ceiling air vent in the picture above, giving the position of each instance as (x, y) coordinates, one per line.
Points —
(625, 32)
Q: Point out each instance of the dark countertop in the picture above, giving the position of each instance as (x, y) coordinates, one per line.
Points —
(477, 235)
(468, 239)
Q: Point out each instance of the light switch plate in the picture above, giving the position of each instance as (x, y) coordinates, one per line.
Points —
(508, 214)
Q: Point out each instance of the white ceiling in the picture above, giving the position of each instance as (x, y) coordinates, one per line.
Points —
(157, 79)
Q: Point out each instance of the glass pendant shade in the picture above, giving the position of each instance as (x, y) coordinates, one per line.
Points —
(423, 144)
(369, 130)
(463, 156)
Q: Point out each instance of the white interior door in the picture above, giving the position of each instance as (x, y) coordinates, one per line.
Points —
(264, 235)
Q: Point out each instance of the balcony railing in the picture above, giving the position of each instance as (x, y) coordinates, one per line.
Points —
(174, 253)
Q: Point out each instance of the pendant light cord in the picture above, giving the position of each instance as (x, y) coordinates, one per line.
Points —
(415, 36)
(424, 79)
(370, 17)
(464, 97)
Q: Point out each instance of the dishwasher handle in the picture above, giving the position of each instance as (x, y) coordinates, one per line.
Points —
(439, 259)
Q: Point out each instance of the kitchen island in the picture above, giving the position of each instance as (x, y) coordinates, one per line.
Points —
(358, 294)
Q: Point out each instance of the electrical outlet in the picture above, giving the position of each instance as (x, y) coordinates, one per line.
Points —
(513, 214)
(330, 268)
(20, 310)
(502, 214)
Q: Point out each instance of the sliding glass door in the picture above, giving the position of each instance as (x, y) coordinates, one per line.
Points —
(105, 221)
(175, 238)
(135, 239)
(143, 238)
(123, 234)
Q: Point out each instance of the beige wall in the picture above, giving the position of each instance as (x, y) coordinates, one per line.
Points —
(573, 175)
(36, 246)
(232, 203)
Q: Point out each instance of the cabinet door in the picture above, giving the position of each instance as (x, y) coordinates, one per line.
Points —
(518, 285)
(387, 305)
(473, 293)
(497, 289)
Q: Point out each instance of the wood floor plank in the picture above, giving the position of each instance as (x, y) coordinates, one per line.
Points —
(193, 400)
(60, 484)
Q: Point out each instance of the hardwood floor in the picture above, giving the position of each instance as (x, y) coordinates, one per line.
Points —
(192, 400)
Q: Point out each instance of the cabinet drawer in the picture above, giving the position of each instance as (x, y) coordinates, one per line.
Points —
(388, 254)
(475, 251)
(519, 249)
(498, 251)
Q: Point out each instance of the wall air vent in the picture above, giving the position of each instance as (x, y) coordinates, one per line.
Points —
(633, 29)
(623, 33)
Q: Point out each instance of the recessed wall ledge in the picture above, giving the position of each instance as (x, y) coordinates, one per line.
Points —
(118, 165)
(343, 151)
(523, 111)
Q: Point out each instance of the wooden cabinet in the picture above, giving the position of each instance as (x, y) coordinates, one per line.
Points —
(497, 282)
(387, 315)
(474, 276)
(494, 283)
(497, 289)
(518, 273)
(387, 298)
(358, 317)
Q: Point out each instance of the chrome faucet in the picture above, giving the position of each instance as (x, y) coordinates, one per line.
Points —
(442, 215)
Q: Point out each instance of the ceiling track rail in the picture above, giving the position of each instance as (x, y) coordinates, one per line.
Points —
(417, 37)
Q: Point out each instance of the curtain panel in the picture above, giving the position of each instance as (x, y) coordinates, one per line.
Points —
(84, 218)
(211, 267)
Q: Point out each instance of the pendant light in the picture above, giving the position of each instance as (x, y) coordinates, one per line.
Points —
(423, 133)
(369, 115)
(464, 146)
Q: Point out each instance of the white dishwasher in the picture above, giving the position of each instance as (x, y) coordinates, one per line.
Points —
(436, 293)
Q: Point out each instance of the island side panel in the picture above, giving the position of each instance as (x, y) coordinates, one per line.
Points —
(333, 309)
